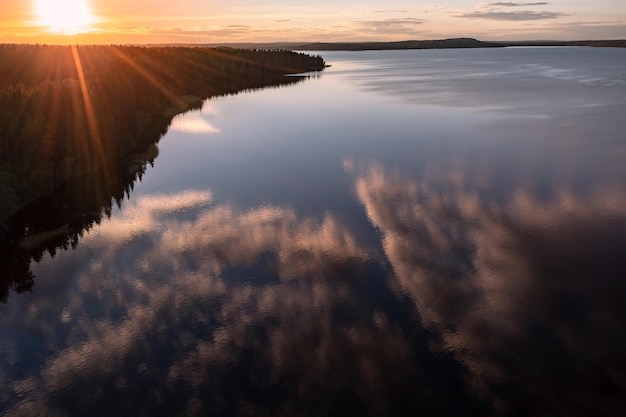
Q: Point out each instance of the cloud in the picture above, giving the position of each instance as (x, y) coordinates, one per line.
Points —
(389, 27)
(511, 4)
(391, 11)
(511, 16)
(389, 23)
(592, 30)
(400, 26)
(178, 32)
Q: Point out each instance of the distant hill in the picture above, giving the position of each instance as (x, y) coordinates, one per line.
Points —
(364, 46)
(415, 44)
(411, 44)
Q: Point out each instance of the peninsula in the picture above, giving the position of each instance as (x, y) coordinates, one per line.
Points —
(79, 125)
(70, 110)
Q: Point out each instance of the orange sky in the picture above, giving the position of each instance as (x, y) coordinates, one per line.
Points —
(205, 21)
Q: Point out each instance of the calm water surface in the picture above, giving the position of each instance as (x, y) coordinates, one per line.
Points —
(409, 233)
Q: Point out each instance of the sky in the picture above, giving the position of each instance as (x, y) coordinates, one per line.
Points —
(210, 21)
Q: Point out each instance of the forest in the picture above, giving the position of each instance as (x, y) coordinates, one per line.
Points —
(78, 124)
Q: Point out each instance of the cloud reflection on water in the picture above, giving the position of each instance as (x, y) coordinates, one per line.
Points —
(196, 121)
(527, 293)
(261, 298)
(188, 303)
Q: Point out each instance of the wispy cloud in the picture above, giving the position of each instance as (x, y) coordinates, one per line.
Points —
(391, 11)
(390, 23)
(591, 29)
(512, 4)
(229, 30)
(511, 16)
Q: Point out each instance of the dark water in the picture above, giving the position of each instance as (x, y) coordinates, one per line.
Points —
(410, 233)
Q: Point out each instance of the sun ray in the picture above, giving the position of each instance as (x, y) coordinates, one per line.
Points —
(92, 121)
(148, 76)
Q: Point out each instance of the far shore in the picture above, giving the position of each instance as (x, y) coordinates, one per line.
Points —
(412, 44)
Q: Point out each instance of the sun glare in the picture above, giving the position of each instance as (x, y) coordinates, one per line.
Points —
(65, 16)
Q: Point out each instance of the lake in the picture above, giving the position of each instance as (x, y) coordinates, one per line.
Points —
(421, 232)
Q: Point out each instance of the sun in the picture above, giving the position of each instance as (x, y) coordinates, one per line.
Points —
(65, 16)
